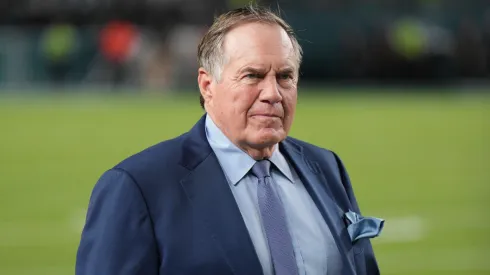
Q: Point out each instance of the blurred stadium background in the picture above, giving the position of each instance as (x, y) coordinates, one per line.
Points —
(400, 89)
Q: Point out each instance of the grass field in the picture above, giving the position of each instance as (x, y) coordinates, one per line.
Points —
(420, 162)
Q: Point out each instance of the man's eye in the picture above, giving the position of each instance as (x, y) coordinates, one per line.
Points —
(285, 76)
(252, 76)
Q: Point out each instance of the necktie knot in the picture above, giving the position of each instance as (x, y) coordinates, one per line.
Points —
(261, 169)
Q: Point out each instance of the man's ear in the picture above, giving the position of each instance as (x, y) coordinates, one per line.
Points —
(205, 80)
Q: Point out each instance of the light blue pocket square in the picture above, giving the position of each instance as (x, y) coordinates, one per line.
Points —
(363, 227)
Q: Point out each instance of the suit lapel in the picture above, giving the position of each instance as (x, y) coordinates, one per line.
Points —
(212, 200)
(318, 188)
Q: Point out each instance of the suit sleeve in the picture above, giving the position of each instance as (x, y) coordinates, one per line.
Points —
(118, 237)
(371, 262)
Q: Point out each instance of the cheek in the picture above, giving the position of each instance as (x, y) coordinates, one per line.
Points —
(243, 99)
(289, 102)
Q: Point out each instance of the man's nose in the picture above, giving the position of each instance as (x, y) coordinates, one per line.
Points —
(269, 90)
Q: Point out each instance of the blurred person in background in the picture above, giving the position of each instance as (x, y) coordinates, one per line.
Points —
(118, 43)
(59, 44)
(470, 49)
(486, 39)
(235, 194)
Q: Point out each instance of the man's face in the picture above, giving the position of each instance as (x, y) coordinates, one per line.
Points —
(255, 100)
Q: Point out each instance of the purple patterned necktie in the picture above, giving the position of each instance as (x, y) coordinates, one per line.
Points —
(274, 220)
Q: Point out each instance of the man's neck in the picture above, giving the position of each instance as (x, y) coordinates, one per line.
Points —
(259, 154)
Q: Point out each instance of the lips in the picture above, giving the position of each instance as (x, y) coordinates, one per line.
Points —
(271, 115)
(266, 115)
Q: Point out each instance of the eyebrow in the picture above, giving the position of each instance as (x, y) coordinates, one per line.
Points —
(287, 70)
(255, 70)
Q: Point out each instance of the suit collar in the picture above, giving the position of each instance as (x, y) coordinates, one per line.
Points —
(195, 146)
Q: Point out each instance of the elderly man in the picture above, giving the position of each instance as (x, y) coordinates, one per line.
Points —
(235, 194)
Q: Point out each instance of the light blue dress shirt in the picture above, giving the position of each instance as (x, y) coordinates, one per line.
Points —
(314, 246)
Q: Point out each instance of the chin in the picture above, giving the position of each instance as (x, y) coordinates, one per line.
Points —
(269, 137)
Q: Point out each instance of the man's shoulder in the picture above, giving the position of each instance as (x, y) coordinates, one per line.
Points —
(162, 155)
(324, 156)
(310, 148)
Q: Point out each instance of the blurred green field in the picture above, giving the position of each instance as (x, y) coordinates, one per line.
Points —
(420, 162)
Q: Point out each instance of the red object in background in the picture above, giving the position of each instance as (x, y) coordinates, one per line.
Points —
(116, 40)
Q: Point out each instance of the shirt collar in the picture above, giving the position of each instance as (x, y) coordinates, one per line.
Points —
(281, 163)
(235, 162)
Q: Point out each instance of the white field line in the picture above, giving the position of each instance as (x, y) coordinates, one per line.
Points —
(42, 233)
(402, 229)
(415, 228)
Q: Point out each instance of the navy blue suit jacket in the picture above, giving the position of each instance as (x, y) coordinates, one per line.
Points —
(169, 210)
